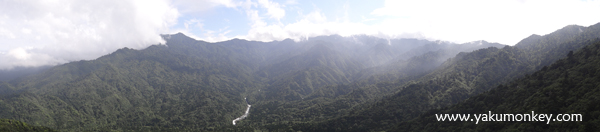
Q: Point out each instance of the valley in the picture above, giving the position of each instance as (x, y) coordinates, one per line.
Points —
(324, 83)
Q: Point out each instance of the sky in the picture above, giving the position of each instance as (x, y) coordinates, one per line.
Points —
(50, 32)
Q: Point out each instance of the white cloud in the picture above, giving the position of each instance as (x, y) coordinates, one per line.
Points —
(504, 21)
(199, 6)
(316, 24)
(312, 24)
(210, 36)
(194, 22)
(291, 2)
(6, 34)
(274, 10)
(36, 33)
(23, 57)
(206, 34)
(195, 27)
(254, 12)
(19, 53)
(26, 31)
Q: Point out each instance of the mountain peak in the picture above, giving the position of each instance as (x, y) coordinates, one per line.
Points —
(178, 39)
(531, 39)
(571, 29)
(558, 36)
(177, 35)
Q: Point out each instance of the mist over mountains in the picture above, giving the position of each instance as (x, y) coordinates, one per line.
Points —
(324, 83)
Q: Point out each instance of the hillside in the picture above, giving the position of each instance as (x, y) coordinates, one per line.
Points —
(131, 89)
(463, 76)
(297, 66)
(568, 86)
(186, 84)
(326, 83)
(7, 125)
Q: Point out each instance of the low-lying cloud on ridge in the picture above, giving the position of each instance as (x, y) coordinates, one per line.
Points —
(37, 33)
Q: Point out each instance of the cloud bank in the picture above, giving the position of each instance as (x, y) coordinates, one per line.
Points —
(36, 33)
(504, 21)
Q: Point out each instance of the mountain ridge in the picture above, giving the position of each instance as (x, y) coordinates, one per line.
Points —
(439, 89)
(326, 83)
(550, 90)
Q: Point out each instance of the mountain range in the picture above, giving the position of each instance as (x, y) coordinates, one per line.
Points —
(324, 83)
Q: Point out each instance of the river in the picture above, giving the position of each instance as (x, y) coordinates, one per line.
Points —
(245, 114)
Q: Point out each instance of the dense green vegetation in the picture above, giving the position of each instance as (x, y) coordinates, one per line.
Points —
(7, 75)
(466, 75)
(568, 86)
(325, 83)
(7, 125)
(187, 84)
(133, 90)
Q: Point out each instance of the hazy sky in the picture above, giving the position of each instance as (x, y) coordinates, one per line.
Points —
(49, 32)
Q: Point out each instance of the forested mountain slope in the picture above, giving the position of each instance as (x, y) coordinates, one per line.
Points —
(7, 125)
(188, 84)
(336, 99)
(132, 89)
(7, 75)
(317, 67)
(325, 83)
(466, 75)
(418, 65)
(569, 86)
